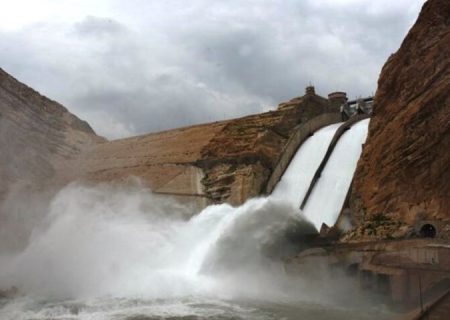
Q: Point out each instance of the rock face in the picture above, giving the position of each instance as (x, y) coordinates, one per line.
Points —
(403, 175)
(38, 137)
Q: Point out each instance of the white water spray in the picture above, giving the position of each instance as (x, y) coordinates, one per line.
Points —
(104, 241)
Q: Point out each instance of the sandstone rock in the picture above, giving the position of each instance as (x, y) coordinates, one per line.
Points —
(404, 170)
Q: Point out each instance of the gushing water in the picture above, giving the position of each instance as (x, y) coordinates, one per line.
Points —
(108, 242)
(105, 241)
(296, 179)
(329, 194)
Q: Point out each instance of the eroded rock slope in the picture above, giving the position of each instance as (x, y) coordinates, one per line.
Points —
(403, 176)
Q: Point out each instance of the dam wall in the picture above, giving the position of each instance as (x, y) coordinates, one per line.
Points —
(227, 161)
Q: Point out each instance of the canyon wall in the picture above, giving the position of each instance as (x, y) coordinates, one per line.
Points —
(403, 176)
(38, 137)
(39, 143)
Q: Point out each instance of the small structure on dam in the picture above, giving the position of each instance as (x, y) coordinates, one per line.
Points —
(355, 107)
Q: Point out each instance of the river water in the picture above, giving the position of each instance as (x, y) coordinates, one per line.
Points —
(188, 308)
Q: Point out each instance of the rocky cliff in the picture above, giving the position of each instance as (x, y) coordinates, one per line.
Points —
(37, 137)
(403, 176)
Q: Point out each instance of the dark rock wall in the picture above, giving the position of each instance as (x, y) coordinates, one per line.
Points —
(404, 172)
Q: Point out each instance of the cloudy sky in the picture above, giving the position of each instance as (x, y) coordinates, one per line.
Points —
(137, 66)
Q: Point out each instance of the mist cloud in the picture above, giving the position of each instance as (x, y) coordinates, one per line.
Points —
(142, 66)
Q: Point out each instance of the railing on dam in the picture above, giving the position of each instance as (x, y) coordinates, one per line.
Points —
(357, 107)
(301, 133)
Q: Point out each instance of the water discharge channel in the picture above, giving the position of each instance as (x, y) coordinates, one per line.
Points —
(330, 191)
(296, 179)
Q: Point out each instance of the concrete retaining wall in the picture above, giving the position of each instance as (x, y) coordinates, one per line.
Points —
(186, 188)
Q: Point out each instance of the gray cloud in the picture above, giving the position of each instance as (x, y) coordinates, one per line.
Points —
(147, 66)
(97, 27)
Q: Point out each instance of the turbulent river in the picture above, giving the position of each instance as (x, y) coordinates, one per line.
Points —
(106, 252)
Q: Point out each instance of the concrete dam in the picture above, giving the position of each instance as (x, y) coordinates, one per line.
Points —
(228, 161)
(236, 160)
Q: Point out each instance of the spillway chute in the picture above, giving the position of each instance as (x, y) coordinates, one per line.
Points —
(319, 175)
(297, 177)
(328, 196)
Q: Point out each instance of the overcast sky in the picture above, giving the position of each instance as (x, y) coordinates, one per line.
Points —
(135, 66)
